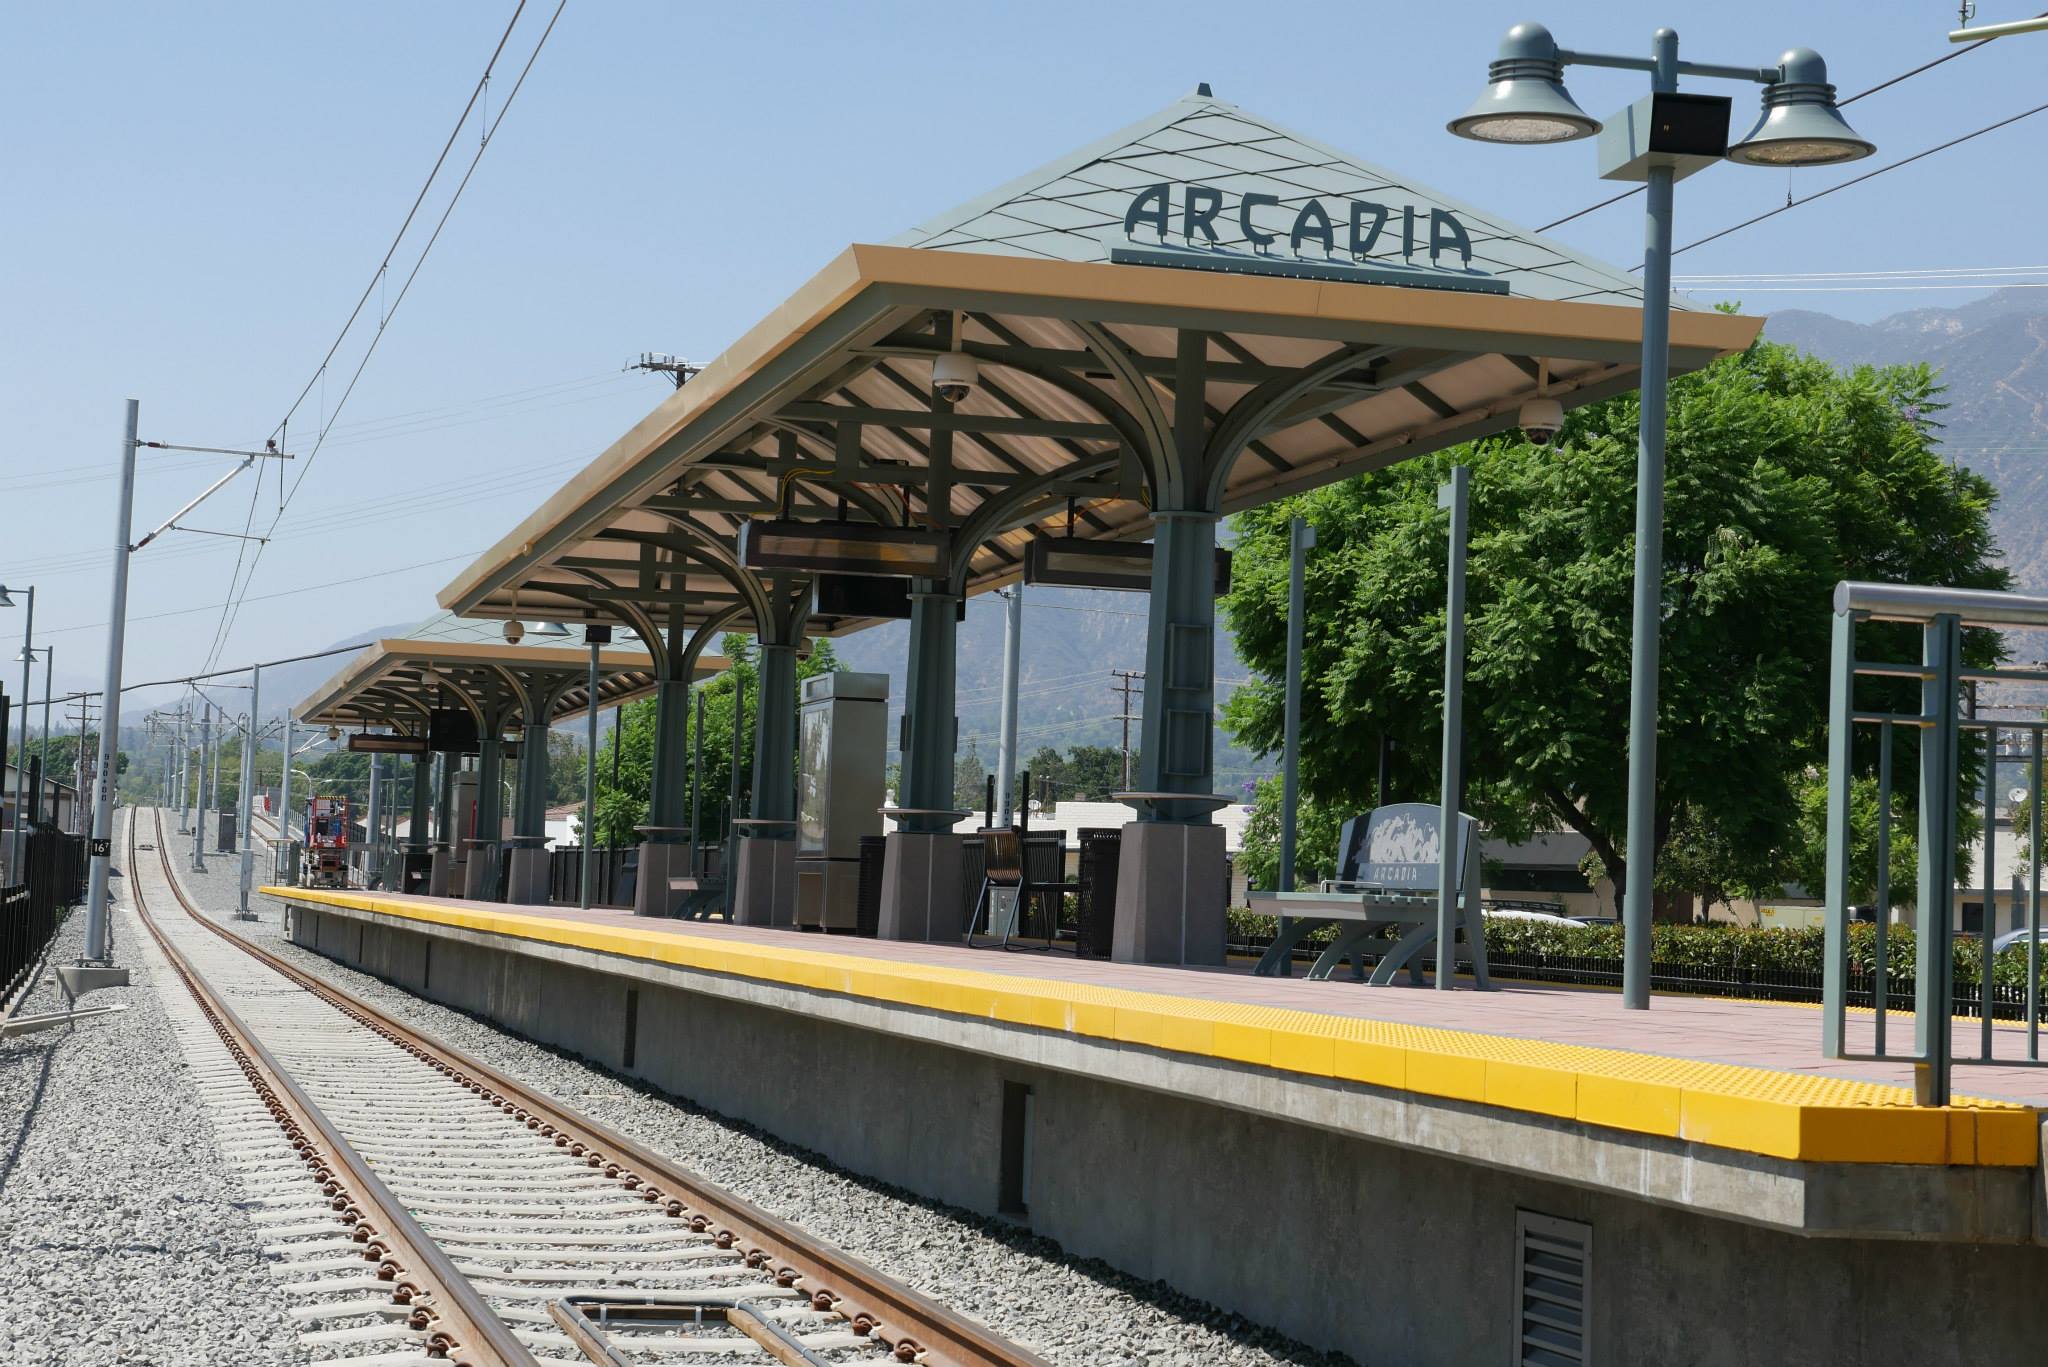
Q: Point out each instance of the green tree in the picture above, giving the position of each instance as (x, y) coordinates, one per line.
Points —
(970, 780)
(1784, 476)
(1315, 839)
(624, 805)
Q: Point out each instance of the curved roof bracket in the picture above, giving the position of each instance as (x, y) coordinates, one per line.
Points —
(1250, 414)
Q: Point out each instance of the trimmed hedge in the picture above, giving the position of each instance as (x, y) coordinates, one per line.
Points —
(1711, 949)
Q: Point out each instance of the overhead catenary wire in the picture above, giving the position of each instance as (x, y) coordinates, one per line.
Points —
(488, 130)
(1842, 103)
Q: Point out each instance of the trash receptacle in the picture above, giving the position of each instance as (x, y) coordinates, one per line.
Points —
(226, 843)
(867, 910)
(1101, 848)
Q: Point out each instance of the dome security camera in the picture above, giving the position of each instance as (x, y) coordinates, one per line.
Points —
(954, 375)
(515, 631)
(1540, 420)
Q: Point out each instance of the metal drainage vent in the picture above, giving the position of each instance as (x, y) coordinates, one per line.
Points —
(1553, 1265)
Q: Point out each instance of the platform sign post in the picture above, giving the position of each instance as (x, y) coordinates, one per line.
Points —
(110, 710)
(243, 828)
(1456, 495)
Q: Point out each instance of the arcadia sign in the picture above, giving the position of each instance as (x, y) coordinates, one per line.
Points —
(1319, 242)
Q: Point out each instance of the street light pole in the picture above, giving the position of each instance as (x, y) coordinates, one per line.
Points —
(17, 846)
(1301, 538)
(102, 846)
(1006, 744)
(1656, 141)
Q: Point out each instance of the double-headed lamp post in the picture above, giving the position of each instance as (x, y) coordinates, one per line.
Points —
(1658, 139)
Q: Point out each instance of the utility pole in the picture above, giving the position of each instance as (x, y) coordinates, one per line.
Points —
(102, 846)
(1131, 678)
(679, 371)
(1006, 745)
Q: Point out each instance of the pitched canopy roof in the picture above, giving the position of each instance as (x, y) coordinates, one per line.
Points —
(1304, 357)
(1073, 209)
(394, 682)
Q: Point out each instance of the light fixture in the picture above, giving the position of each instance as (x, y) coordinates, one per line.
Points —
(1800, 125)
(515, 631)
(28, 655)
(5, 601)
(550, 629)
(1525, 99)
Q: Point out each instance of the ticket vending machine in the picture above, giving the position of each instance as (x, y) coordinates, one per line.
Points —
(842, 734)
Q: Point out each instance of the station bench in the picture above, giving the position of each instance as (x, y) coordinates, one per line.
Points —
(1387, 875)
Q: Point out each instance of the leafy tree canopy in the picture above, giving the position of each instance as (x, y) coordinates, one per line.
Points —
(1785, 475)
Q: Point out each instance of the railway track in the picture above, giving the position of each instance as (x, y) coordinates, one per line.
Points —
(421, 1207)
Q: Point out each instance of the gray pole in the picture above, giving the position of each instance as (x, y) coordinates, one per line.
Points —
(373, 832)
(1300, 537)
(184, 770)
(199, 789)
(589, 862)
(244, 822)
(284, 790)
(110, 710)
(18, 846)
(49, 668)
(1641, 858)
(696, 783)
(1013, 649)
(1457, 496)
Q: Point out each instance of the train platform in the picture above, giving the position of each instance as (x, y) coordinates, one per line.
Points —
(1745, 1076)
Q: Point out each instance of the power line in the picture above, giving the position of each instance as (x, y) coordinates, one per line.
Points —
(1857, 180)
(1861, 94)
(489, 132)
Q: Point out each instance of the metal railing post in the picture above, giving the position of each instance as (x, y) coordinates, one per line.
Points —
(1841, 729)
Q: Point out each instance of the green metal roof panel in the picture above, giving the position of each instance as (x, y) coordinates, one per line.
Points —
(1073, 208)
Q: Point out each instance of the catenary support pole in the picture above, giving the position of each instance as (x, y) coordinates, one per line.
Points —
(18, 837)
(1300, 538)
(199, 789)
(284, 791)
(110, 712)
(373, 823)
(49, 668)
(1641, 851)
(245, 821)
(1006, 744)
(1457, 497)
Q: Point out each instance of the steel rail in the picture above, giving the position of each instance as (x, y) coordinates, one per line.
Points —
(460, 1325)
(915, 1327)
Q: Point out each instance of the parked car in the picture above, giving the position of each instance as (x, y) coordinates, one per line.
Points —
(1540, 917)
(2017, 937)
(1595, 920)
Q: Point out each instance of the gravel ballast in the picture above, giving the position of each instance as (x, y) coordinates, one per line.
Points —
(122, 1235)
(1075, 1312)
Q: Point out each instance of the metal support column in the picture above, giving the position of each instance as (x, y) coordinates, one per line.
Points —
(245, 821)
(1841, 730)
(668, 792)
(18, 835)
(775, 733)
(587, 865)
(1301, 538)
(696, 783)
(481, 883)
(1457, 497)
(373, 824)
(1006, 744)
(1933, 967)
(1176, 735)
(930, 727)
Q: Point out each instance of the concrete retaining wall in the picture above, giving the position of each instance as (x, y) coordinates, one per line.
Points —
(1395, 1256)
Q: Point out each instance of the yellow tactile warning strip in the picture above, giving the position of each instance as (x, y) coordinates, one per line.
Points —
(1755, 1110)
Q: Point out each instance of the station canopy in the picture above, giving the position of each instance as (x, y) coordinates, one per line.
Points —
(449, 661)
(1341, 315)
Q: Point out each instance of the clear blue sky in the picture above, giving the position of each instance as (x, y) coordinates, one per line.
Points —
(195, 194)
